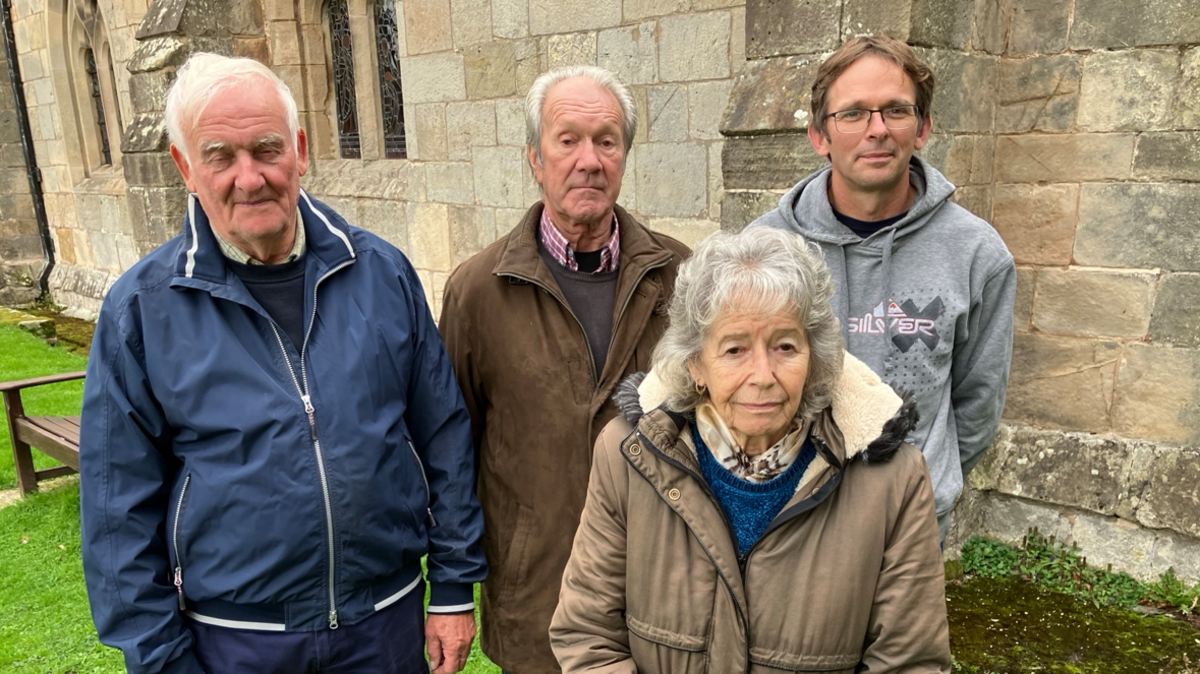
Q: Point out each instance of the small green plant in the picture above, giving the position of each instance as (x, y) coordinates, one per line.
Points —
(988, 558)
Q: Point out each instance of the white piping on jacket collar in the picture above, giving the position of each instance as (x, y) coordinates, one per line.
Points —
(337, 232)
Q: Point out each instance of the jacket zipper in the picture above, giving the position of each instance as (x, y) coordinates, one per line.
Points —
(425, 481)
(310, 411)
(175, 542)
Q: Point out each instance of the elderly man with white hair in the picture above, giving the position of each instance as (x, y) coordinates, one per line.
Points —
(541, 326)
(272, 436)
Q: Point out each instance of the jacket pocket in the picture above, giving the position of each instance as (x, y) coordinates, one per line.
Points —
(177, 576)
(655, 649)
(516, 557)
(771, 660)
(428, 514)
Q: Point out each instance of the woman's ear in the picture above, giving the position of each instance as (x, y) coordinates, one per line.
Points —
(695, 372)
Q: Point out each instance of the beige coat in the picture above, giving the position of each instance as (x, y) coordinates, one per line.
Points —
(848, 578)
(525, 369)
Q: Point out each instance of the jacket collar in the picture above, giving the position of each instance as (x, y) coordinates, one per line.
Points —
(199, 257)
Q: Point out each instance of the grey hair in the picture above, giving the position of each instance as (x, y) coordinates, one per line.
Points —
(202, 77)
(776, 271)
(535, 100)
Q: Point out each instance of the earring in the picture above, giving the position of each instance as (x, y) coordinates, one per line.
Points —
(700, 388)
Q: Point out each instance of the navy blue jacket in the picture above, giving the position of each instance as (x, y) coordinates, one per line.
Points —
(234, 475)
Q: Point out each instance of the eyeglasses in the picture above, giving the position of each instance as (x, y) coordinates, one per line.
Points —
(896, 118)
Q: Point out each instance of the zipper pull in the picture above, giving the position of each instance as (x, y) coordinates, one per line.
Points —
(312, 417)
(432, 522)
(333, 620)
(179, 586)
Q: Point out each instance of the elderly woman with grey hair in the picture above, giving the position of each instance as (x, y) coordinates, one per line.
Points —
(756, 509)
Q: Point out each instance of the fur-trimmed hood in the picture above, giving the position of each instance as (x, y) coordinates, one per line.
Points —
(873, 419)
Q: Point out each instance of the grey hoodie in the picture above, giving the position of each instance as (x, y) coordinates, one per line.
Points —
(927, 303)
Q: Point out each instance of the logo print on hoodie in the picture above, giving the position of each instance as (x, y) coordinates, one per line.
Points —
(906, 322)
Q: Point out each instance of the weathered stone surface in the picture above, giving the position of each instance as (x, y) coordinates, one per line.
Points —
(770, 95)
(693, 47)
(471, 20)
(491, 69)
(1139, 225)
(1104, 24)
(528, 55)
(741, 207)
(1037, 222)
(451, 183)
(1158, 394)
(1039, 27)
(1023, 305)
(989, 32)
(162, 17)
(780, 27)
(1094, 302)
(668, 119)
(510, 18)
(1168, 155)
(768, 162)
(871, 17)
(427, 26)
(468, 232)
(499, 176)
(1187, 98)
(1037, 94)
(1128, 90)
(716, 181)
(641, 9)
(1172, 499)
(963, 159)
(964, 100)
(1064, 158)
(1062, 382)
(942, 23)
(975, 198)
(428, 142)
(737, 39)
(571, 49)
(629, 51)
(1176, 319)
(690, 232)
(388, 219)
(469, 125)
(156, 54)
(672, 179)
(510, 121)
(561, 16)
(706, 105)
(429, 236)
(436, 77)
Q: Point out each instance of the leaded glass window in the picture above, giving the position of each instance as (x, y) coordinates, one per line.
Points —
(89, 58)
(343, 80)
(390, 96)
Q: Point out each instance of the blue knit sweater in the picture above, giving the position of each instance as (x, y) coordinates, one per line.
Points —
(750, 506)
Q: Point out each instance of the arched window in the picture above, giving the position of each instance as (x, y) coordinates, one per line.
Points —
(343, 79)
(93, 84)
(369, 118)
(391, 98)
(89, 58)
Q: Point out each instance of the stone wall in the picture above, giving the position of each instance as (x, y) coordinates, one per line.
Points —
(1071, 126)
(20, 247)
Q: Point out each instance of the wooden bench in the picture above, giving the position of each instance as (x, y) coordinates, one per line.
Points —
(57, 437)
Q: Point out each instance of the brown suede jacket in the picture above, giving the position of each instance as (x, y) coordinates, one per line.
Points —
(848, 577)
(525, 369)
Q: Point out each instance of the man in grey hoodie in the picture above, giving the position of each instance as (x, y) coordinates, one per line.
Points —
(924, 288)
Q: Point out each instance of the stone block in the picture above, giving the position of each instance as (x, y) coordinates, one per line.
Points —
(737, 39)
(782, 27)
(571, 49)
(975, 198)
(770, 95)
(1115, 304)
(154, 54)
(471, 21)
(1187, 99)
(469, 232)
(436, 77)
(989, 32)
(629, 51)
(1062, 382)
(528, 57)
(641, 104)
(672, 179)
(510, 18)
(706, 105)
(1168, 155)
(942, 23)
(42, 328)
(427, 26)
(634, 10)
(510, 121)
(693, 47)
(428, 142)
(500, 175)
(1064, 158)
(768, 162)
(561, 16)
(469, 125)
(1037, 222)
(284, 43)
(1037, 94)
(963, 101)
(1139, 225)
(872, 17)
(451, 183)
(491, 70)
(1128, 90)
(716, 181)
(429, 236)
(64, 245)
(668, 120)
(963, 159)
(741, 207)
(1023, 304)
(1176, 320)
(1172, 498)
(1104, 24)
(690, 232)
(1158, 394)
(1039, 27)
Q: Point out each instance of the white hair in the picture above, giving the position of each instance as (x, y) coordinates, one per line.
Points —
(535, 100)
(770, 270)
(202, 77)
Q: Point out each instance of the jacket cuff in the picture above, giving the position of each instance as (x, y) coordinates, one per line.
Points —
(184, 664)
(451, 598)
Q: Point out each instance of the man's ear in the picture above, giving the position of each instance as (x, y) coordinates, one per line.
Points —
(534, 163)
(923, 134)
(185, 169)
(815, 136)
(301, 151)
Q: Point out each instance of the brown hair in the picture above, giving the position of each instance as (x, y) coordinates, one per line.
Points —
(880, 46)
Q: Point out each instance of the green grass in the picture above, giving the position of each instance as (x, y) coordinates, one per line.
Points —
(23, 356)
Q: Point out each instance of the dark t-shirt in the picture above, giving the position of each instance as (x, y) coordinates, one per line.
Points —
(864, 228)
(279, 288)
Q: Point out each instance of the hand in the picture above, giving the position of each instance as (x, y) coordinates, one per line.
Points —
(448, 638)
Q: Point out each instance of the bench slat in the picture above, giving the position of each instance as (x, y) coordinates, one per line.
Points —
(49, 442)
(64, 427)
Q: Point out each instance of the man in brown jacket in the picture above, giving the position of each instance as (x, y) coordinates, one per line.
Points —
(541, 326)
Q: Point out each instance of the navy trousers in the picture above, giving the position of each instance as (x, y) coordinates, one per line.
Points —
(391, 641)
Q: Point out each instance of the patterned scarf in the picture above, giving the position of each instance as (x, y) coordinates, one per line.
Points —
(762, 468)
